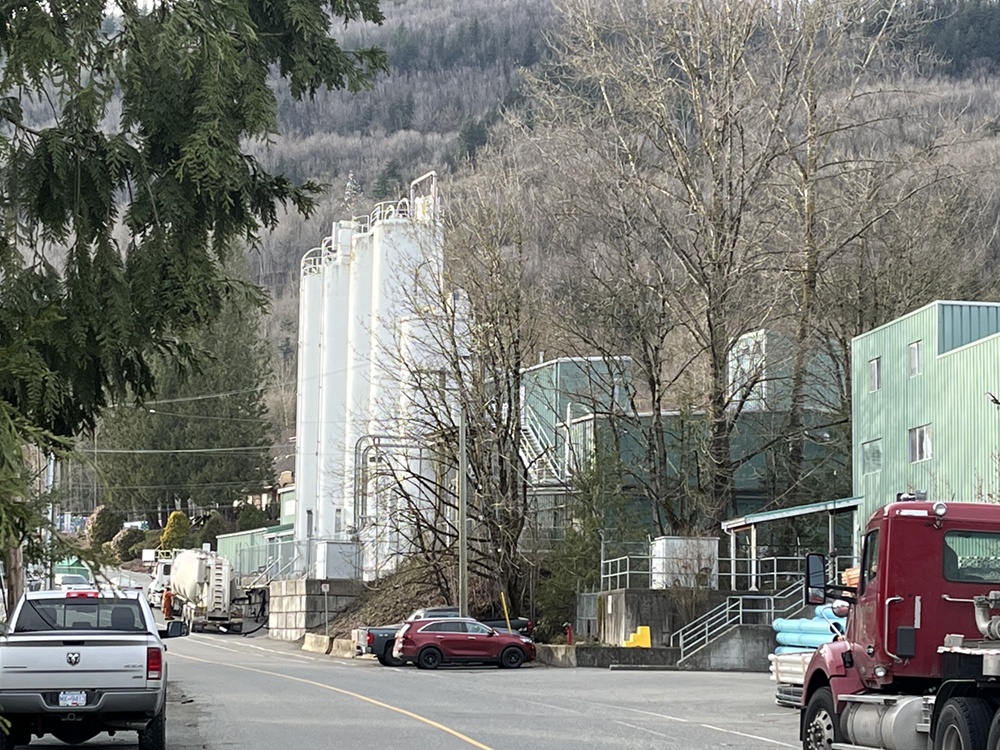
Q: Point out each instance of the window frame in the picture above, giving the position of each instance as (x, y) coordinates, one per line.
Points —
(920, 443)
(865, 469)
(958, 579)
(871, 540)
(439, 627)
(875, 374)
(915, 359)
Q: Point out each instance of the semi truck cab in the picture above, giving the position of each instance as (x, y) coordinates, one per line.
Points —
(896, 681)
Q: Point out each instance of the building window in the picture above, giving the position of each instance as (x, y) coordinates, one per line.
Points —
(920, 443)
(338, 521)
(916, 365)
(871, 456)
(874, 374)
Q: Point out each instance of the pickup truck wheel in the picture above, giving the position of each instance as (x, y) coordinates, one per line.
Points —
(154, 736)
(429, 658)
(963, 724)
(388, 659)
(511, 658)
(18, 737)
(822, 724)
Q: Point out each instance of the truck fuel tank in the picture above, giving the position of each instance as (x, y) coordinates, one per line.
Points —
(888, 722)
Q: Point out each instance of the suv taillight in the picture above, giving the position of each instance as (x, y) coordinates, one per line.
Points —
(154, 663)
(371, 639)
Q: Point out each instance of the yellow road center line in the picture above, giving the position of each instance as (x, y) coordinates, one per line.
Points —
(380, 704)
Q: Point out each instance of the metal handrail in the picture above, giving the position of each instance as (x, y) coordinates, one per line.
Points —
(717, 622)
(545, 448)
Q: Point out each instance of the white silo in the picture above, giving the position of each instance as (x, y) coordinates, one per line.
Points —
(358, 352)
(333, 383)
(307, 405)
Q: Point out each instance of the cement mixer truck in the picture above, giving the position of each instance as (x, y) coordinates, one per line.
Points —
(203, 587)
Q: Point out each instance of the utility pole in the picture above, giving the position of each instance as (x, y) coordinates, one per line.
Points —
(463, 542)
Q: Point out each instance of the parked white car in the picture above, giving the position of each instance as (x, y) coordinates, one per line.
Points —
(74, 664)
(72, 582)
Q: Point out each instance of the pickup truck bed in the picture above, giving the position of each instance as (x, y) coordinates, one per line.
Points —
(77, 663)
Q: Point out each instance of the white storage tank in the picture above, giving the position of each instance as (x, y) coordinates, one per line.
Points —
(333, 383)
(358, 358)
(307, 401)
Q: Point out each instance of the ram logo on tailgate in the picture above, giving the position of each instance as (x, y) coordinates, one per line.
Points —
(72, 659)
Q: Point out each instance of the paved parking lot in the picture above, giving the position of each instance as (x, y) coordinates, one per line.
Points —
(256, 693)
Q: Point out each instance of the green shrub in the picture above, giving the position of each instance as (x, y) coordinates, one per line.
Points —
(210, 530)
(103, 524)
(123, 542)
(175, 535)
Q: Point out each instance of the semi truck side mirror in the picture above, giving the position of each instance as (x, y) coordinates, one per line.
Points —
(815, 579)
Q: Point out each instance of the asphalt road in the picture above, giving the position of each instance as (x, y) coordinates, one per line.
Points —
(249, 693)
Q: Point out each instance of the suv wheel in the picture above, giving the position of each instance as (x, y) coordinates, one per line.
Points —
(429, 658)
(511, 658)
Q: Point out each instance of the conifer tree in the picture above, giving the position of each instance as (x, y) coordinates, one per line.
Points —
(137, 124)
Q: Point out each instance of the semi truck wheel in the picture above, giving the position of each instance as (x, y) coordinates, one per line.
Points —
(822, 724)
(964, 724)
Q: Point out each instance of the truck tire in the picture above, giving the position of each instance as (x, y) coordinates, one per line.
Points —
(963, 724)
(19, 737)
(821, 726)
(429, 658)
(388, 660)
(154, 736)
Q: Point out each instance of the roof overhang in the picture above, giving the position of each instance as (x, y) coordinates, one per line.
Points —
(844, 505)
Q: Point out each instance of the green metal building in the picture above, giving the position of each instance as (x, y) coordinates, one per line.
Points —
(926, 406)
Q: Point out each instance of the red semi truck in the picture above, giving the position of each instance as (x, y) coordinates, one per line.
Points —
(919, 666)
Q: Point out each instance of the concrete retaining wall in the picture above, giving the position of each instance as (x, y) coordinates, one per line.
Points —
(298, 605)
(603, 657)
(744, 649)
(621, 612)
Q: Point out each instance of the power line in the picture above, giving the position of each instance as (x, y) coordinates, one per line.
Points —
(211, 395)
(205, 416)
(150, 451)
(176, 486)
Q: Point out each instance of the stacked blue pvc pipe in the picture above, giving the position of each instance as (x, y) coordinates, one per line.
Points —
(802, 634)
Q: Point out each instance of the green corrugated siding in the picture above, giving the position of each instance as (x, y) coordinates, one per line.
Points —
(949, 395)
(965, 322)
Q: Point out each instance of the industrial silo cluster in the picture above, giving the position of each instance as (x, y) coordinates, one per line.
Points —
(363, 305)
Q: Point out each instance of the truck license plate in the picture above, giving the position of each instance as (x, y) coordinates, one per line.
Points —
(72, 700)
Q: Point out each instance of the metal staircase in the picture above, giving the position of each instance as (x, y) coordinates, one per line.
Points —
(536, 452)
(749, 609)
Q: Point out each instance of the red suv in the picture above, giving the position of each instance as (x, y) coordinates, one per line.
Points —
(431, 643)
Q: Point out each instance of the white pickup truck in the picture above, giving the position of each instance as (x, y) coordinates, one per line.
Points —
(77, 663)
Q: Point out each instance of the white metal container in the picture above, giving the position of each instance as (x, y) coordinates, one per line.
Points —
(684, 562)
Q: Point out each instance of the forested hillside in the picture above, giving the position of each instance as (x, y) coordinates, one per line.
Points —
(453, 65)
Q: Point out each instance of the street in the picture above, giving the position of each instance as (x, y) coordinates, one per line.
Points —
(229, 691)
